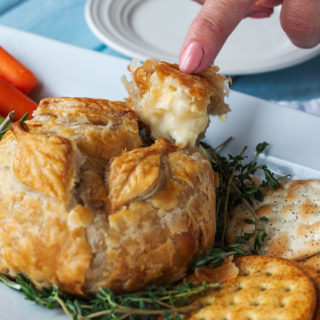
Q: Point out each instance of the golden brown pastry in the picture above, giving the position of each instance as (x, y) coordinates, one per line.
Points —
(100, 128)
(161, 214)
(174, 104)
(52, 173)
(79, 209)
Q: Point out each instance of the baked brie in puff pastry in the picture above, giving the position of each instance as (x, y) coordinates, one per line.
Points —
(174, 104)
(83, 206)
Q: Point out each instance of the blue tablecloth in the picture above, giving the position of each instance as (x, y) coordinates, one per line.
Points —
(64, 20)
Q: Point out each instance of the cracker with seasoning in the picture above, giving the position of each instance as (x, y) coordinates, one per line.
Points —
(293, 226)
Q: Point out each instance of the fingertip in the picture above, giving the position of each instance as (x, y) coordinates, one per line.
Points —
(191, 57)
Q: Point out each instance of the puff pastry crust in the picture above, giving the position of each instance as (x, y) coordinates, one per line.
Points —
(83, 206)
(52, 186)
(161, 214)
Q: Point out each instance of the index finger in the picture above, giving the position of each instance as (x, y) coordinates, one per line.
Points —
(209, 31)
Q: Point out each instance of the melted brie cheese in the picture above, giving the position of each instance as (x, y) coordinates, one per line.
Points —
(170, 112)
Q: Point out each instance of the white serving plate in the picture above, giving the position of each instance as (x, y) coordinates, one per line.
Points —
(65, 70)
(156, 28)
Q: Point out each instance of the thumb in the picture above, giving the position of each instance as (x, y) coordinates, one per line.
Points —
(209, 31)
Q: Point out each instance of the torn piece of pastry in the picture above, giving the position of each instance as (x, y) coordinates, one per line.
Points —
(58, 225)
(266, 288)
(226, 271)
(174, 104)
(293, 226)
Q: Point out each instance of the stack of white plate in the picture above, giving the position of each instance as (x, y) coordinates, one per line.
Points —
(156, 28)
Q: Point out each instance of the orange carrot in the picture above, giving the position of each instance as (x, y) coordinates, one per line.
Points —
(16, 73)
(13, 99)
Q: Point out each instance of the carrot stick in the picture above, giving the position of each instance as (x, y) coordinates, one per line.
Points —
(13, 99)
(16, 73)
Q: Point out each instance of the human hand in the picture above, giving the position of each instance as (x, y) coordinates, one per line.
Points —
(300, 19)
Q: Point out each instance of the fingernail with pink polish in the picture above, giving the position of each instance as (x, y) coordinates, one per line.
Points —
(259, 15)
(191, 57)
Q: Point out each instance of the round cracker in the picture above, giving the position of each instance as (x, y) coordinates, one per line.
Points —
(315, 276)
(267, 288)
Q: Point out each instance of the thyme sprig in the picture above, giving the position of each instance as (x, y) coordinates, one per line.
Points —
(217, 255)
(170, 301)
(238, 185)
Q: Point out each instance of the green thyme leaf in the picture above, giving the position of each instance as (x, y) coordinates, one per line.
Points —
(261, 147)
(172, 301)
(271, 182)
